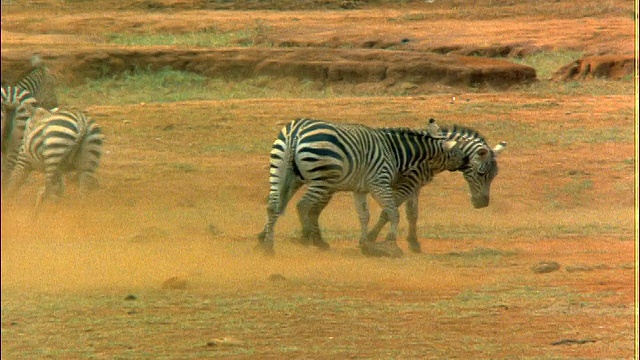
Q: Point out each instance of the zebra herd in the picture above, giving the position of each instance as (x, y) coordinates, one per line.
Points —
(392, 164)
(38, 136)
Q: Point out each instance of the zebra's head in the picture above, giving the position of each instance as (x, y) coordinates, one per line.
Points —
(14, 98)
(470, 152)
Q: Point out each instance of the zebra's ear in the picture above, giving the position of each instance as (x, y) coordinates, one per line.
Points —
(449, 144)
(499, 148)
(433, 128)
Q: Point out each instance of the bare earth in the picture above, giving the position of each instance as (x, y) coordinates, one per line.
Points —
(159, 262)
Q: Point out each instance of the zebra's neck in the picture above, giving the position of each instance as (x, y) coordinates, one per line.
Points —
(414, 149)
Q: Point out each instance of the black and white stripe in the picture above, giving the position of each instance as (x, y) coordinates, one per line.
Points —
(16, 111)
(390, 164)
(56, 144)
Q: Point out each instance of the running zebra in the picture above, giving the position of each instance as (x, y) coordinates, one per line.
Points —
(16, 105)
(388, 163)
(40, 83)
(58, 143)
(478, 166)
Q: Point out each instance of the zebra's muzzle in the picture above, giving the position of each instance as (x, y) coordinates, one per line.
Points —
(480, 201)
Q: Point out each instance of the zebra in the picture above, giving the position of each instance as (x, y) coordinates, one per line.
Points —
(58, 143)
(478, 166)
(40, 83)
(328, 157)
(16, 105)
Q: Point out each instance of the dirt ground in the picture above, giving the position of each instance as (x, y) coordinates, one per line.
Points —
(159, 262)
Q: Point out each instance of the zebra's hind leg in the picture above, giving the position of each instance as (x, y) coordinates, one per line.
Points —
(278, 200)
(54, 185)
(265, 238)
(87, 181)
(309, 209)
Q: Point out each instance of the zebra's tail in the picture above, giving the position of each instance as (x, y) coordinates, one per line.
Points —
(287, 175)
(77, 120)
(283, 171)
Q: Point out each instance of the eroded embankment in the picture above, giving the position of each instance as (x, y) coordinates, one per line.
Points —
(392, 69)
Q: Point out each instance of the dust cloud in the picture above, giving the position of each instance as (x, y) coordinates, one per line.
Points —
(69, 248)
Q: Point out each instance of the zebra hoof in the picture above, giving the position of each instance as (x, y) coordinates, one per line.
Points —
(415, 248)
(265, 250)
(304, 241)
(321, 244)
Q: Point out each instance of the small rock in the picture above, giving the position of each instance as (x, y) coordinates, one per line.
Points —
(587, 268)
(545, 267)
(572, 341)
(131, 297)
(226, 341)
(212, 229)
(276, 277)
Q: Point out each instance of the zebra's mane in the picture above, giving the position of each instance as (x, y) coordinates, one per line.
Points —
(406, 130)
(463, 133)
(390, 130)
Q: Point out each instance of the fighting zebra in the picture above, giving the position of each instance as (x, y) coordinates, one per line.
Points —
(40, 83)
(16, 110)
(58, 143)
(478, 166)
(388, 163)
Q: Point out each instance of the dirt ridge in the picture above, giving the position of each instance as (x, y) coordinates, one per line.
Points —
(325, 65)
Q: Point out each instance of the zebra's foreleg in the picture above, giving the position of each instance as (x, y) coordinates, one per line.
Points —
(375, 231)
(383, 220)
(385, 197)
(360, 199)
(411, 207)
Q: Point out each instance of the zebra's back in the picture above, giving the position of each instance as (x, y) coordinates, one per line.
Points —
(63, 141)
(341, 155)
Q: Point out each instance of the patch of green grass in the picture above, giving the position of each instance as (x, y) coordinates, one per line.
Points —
(169, 85)
(481, 252)
(184, 167)
(597, 87)
(564, 224)
(476, 257)
(210, 38)
(548, 62)
(557, 134)
(415, 17)
(545, 300)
